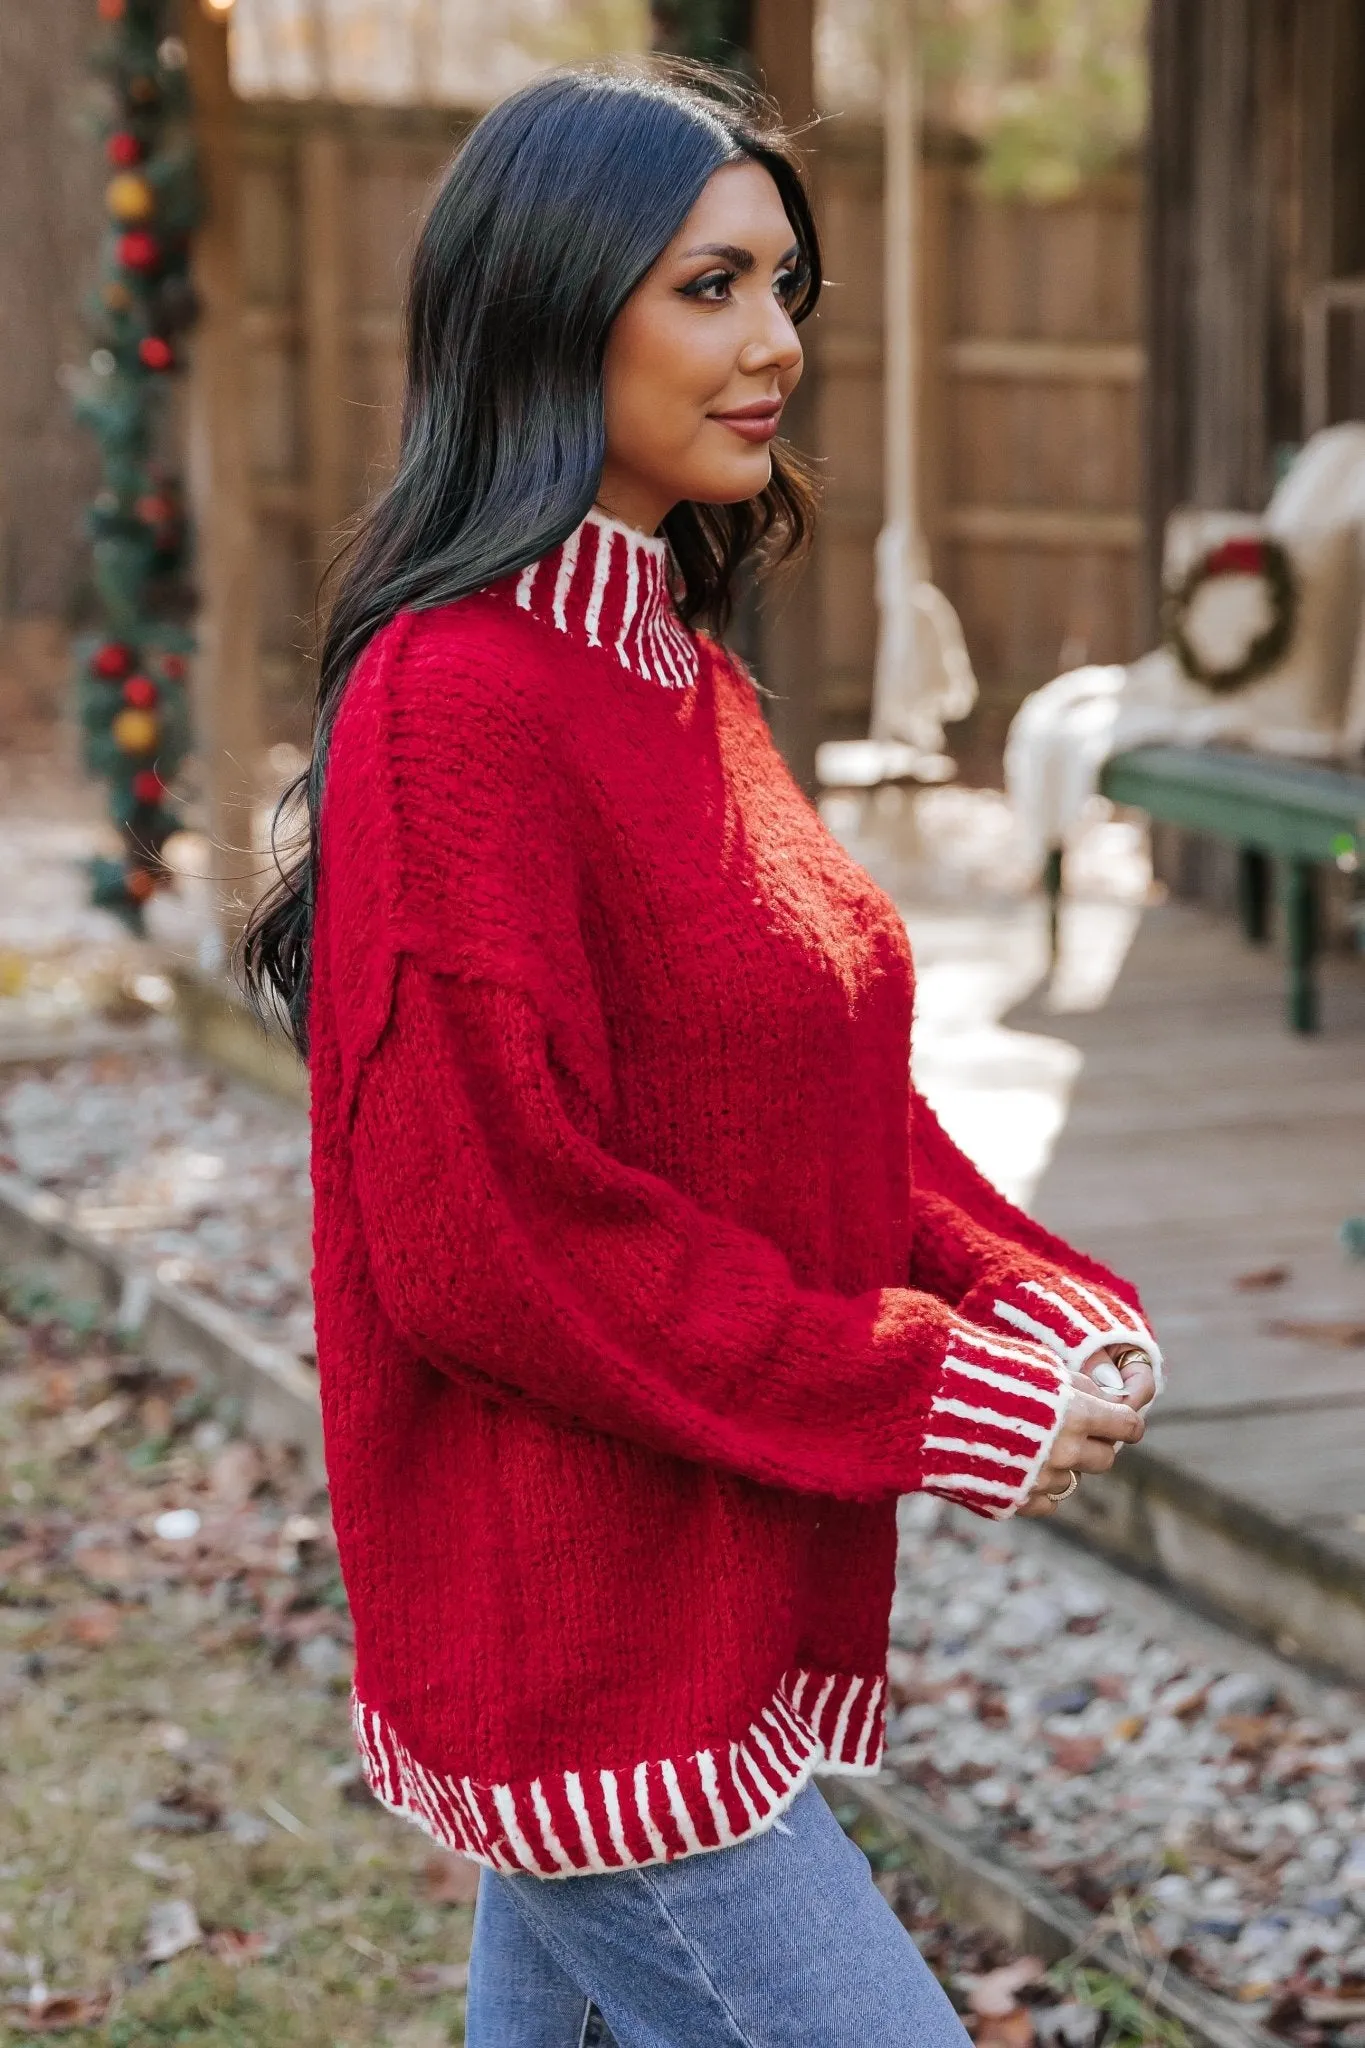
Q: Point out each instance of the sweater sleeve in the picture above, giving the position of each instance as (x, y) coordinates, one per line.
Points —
(994, 1264)
(511, 1250)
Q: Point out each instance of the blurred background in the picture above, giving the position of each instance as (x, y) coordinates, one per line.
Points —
(1076, 669)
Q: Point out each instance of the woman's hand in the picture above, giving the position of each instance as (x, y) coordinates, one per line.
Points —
(1126, 1374)
(1092, 1431)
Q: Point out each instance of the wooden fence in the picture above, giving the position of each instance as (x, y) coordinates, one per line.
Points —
(1030, 401)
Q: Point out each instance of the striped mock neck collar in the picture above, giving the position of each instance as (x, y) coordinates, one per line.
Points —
(608, 586)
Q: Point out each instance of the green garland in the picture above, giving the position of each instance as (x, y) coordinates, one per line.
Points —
(130, 675)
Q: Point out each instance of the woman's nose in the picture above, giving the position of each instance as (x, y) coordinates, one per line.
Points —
(776, 346)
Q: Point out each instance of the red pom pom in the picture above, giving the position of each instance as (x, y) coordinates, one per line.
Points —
(112, 661)
(140, 691)
(1243, 556)
(173, 667)
(123, 150)
(154, 353)
(138, 250)
(140, 884)
(148, 787)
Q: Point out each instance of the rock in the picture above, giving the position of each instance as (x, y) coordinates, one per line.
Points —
(172, 1927)
(323, 1660)
(236, 1472)
(1067, 1699)
(1240, 1692)
(1028, 1620)
(248, 1830)
(168, 1820)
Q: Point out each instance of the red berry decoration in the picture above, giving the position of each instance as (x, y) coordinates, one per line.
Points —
(140, 884)
(155, 353)
(138, 250)
(148, 787)
(112, 10)
(173, 667)
(113, 661)
(123, 150)
(141, 692)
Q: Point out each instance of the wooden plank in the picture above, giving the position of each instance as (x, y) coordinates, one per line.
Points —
(791, 628)
(1037, 526)
(1050, 362)
(323, 185)
(227, 701)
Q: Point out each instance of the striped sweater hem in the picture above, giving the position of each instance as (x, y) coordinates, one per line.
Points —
(572, 1823)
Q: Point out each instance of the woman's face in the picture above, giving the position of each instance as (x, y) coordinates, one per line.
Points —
(703, 356)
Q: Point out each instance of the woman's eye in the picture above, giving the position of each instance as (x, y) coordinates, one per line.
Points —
(788, 285)
(714, 288)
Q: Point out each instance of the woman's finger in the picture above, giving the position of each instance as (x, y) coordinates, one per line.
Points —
(1036, 1507)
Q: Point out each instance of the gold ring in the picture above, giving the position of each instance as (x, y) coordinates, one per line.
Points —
(1131, 1354)
(1072, 1483)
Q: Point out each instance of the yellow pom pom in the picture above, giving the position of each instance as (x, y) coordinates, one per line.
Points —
(135, 732)
(130, 198)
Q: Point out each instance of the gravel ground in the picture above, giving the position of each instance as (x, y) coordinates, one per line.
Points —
(1138, 1758)
(199, 1178)
(189, 1855)
(1069, 1714)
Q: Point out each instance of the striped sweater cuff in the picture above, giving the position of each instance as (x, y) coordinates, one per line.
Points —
(1074, 1320)
(993, 1421)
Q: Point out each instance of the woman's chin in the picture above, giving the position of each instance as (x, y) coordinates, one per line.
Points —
(736, 483)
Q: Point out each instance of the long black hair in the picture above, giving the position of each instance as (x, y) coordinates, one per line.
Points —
(553, 210)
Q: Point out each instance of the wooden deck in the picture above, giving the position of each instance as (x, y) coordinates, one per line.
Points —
(1203, 1145)
(1153, 1108)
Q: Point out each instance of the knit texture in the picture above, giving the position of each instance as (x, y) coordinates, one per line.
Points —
(645, 1283)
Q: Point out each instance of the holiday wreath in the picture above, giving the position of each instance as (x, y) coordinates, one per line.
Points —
(130, 675)
(1227, 646)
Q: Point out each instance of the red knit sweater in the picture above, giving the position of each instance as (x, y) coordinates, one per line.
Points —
(645, 1283)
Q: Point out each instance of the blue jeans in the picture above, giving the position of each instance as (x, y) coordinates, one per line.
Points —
(781, 1942)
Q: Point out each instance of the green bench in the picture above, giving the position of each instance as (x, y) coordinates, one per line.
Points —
(1279, 814)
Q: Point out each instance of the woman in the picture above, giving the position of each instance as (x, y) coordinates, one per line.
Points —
(644, 1282)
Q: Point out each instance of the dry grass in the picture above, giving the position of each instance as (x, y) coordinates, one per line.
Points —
(133, 1671)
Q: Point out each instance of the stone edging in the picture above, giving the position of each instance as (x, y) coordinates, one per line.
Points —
(982, 1884)
(1266, 1577)
(174, 1329)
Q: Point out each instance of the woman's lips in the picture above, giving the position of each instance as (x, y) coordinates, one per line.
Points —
(752, 422)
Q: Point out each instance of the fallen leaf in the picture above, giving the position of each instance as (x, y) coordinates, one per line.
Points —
(58, 2012)
(84, 1425)
(172, 1927)
(1076, 1754)
(93, 1626)
(1261, 1279)
(1009, 2030)
(450, 1880)
(59, 1390)
(104, 1564)
(996, 1994)
(1332, 1335)
(236, 1472)
(439, 1976)
(239, 1945)
(156, 1418)
(1252, 1735)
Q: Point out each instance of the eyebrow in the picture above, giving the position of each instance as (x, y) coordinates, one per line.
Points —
(743, 260)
